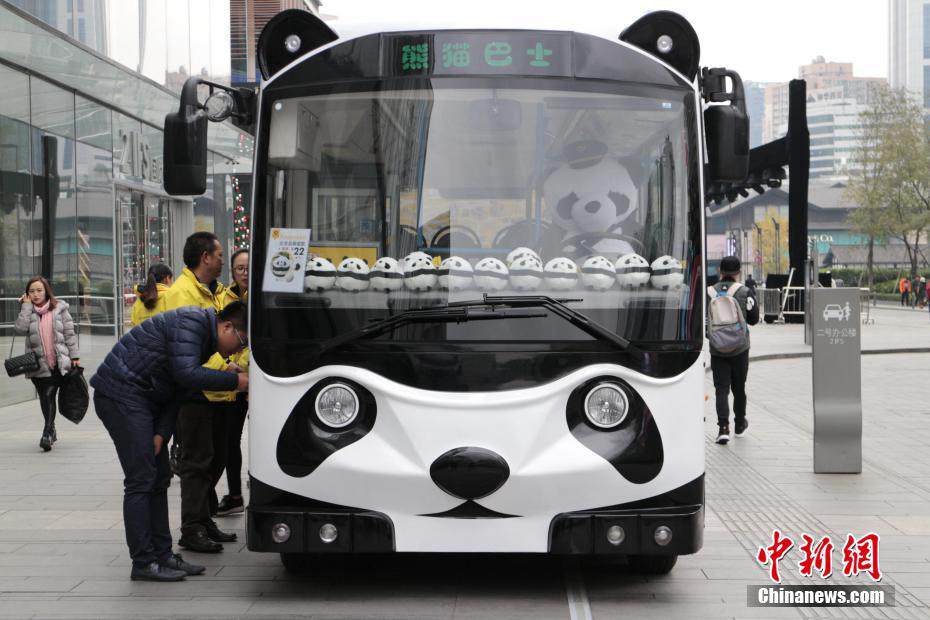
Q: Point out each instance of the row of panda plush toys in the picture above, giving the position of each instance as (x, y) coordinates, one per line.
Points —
(523, 271)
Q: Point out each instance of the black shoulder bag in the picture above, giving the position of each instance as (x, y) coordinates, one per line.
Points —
(21, 364)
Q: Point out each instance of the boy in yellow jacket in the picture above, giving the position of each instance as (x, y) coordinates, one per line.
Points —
(198, 286)
(150, 297)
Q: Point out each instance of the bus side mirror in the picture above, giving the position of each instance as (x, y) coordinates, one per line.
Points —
(185, 152)
(726, 127)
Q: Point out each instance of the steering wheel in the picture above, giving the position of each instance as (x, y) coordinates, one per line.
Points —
(574, 243)
(458, 228)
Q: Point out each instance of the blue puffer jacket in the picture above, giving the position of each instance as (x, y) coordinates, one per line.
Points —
(157, 361)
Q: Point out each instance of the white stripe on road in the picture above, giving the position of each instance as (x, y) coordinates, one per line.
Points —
(578, 606)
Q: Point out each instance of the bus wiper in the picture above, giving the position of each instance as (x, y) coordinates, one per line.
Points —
(451, 313)
(559, 308)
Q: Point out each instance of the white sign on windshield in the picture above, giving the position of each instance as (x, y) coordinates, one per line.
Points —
(286, 260)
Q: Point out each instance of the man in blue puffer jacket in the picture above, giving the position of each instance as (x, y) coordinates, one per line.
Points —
(136, 390)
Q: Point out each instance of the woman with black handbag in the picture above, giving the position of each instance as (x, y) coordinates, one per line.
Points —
(49, 331)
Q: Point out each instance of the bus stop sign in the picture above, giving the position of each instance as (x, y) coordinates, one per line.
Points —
(837, 380)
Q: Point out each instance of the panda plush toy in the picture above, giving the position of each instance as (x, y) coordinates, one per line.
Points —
(598, 273)
(491, 274)
(526, 272)
(561, 274)
(520, 252)
(456, 274)
(386, 275)
(419, 272)
(591, 192)
(319, 274)
(353, 275)
(632, 271)
(667, 273)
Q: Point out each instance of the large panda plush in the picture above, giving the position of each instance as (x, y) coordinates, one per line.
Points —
(353, 275)
(319, 274)
(591, 192)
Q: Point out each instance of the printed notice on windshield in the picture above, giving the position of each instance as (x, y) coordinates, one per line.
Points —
(286, 259)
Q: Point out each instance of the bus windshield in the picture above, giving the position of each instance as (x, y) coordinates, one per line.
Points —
(424, 197)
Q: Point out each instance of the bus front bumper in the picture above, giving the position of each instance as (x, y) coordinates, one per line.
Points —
(650, 531)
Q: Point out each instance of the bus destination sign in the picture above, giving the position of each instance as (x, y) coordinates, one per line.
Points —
(492, 53)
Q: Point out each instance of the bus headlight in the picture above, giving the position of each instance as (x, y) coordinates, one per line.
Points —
(606, 405)
(337, 405)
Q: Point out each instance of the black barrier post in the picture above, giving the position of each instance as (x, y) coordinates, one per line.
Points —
(799, 161)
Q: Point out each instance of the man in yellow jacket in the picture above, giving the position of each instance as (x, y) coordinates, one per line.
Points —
(198, 286)
(231, 407)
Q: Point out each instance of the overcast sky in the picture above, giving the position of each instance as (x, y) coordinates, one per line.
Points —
(762, 40)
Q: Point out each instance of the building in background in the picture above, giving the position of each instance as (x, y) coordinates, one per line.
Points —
(909, 47)
(81, 115)
(755, 107)
(247, 18)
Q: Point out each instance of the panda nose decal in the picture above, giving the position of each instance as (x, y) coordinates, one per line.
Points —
(593, 207)
(469, 473)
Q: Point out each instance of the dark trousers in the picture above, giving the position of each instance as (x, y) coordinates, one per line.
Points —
(196, 432)
(730, 374)
(47, 388)
(227, 430)
(147, 477)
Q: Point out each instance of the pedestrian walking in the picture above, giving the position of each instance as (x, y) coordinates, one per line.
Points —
(915, 290)
(904, 287)
(151, 296)
(135, 395)
(230, 409)
(751, 283)
(732, 308)
(198, 285)
(49, 331)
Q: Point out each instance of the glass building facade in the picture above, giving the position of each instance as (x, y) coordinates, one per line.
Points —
(81, 196)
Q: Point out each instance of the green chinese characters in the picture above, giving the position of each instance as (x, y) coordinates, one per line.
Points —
(456, 55)
(497, 54)
(414, 57)
(538, 55)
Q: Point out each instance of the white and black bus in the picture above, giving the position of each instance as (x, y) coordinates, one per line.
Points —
(477, 286)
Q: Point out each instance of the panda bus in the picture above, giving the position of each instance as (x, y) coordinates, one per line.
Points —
(478, 280)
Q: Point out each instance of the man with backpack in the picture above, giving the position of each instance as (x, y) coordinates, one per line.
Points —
(732, 308)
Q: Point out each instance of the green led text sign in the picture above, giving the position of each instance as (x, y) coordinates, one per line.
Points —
(504, 53)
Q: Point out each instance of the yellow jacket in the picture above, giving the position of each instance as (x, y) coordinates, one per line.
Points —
(187, 290)
(228, 295)
(140, 312)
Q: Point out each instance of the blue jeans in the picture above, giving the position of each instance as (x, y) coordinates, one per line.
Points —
(147, 477)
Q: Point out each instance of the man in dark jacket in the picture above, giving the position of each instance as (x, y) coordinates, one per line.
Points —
(135, 394)
(731, 369)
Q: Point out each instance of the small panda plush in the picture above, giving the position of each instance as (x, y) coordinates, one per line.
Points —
(667, 273)
(521, 252)
(491, 274)
(352, 275)
(526, 272)
(419, 272)
(386, 275)
(632, 271)
(281, 264)
(561, 274)
(319, 275)
(598, 273)
(456, 274)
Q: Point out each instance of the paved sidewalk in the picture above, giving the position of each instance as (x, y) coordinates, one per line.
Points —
(62, 552)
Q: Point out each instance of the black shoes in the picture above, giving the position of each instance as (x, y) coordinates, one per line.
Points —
(723, 436)
(46, 442)
(156, 572)
(230, 506)
(217, 535)
(199, 541)
(176, 562)
(741, 425)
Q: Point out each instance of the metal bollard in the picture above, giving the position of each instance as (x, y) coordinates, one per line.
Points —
(837, 380)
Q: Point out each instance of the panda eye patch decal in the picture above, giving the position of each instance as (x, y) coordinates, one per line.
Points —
(622, 203)
(564, 207)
